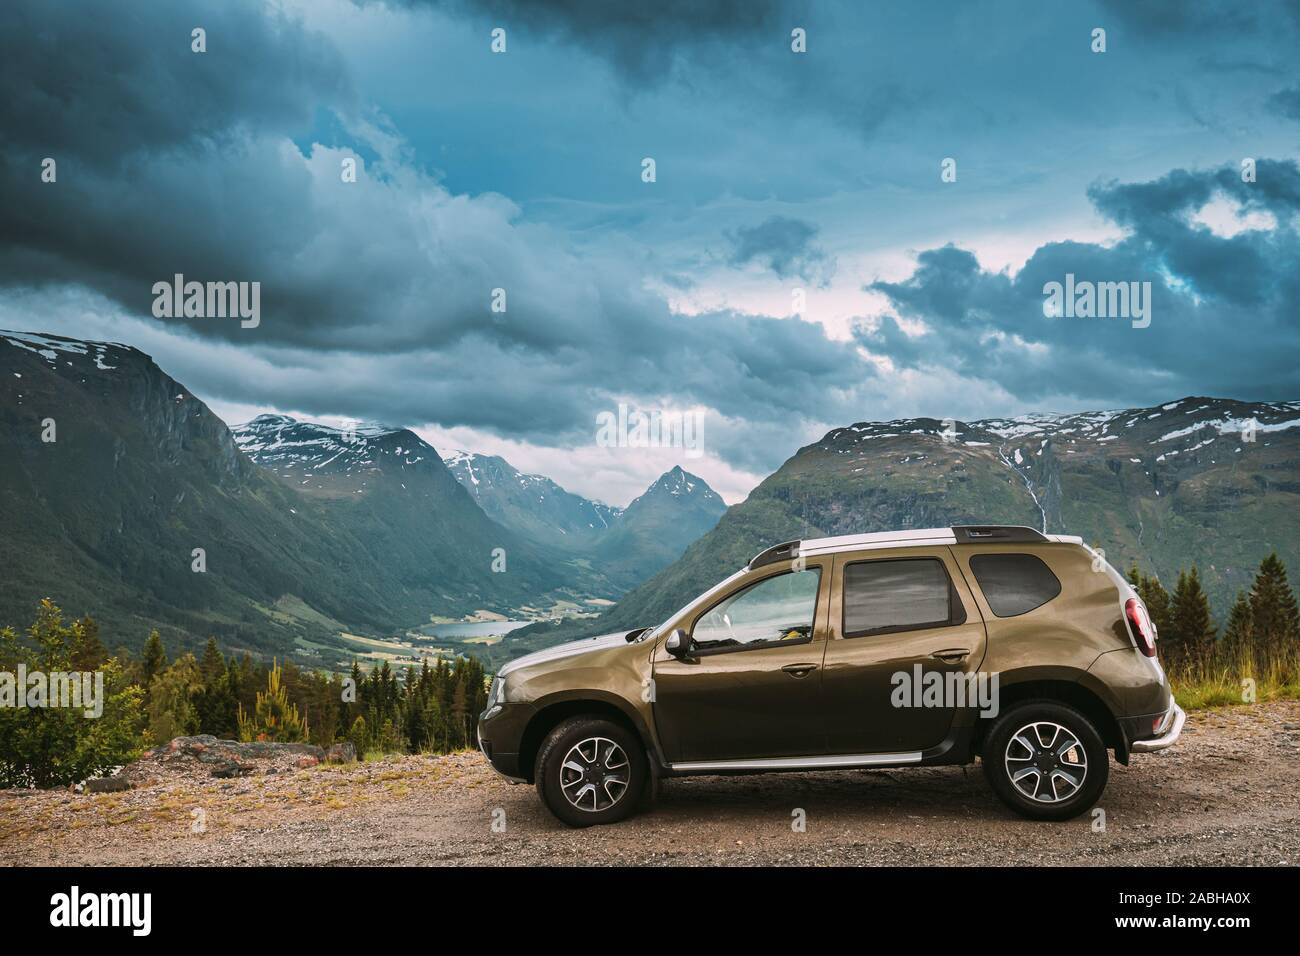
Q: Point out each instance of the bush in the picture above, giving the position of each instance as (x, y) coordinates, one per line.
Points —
(56, 746)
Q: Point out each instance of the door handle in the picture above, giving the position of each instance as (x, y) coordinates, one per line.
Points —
(799, 670)
(951, 656)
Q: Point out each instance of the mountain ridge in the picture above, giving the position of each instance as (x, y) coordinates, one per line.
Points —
(1187, 481)
(103, 511)
(625, 545)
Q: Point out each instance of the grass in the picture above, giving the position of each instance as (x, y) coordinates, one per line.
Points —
(1227, 682)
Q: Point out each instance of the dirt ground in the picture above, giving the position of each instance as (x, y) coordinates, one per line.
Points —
(1229, 793)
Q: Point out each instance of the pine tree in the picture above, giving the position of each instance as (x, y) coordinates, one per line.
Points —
(1156, 598)
(459, 713)
(1238, 633)
(88, 651)
(360, 737)
(1190, 637)
(1274, 615)
(247, 681)
(216, 704)
(172, 697)
(274, 717)
(154, 660)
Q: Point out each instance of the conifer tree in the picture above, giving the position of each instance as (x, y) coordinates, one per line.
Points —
(153, 661)
(1190, 637)
(274, 717)
(1238, 632)
(1154, 596)
(1274, 615)
(360, 737)
(88, 651)
(216, 703)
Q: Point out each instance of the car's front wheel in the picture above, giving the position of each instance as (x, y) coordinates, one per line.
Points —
(591, 770)
(1045, 760)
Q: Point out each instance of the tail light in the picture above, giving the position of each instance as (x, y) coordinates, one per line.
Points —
(1143, 629)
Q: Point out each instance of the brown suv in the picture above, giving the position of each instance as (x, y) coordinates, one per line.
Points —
(872, 650)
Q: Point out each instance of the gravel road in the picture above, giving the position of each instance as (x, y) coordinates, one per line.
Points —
(1227, 794)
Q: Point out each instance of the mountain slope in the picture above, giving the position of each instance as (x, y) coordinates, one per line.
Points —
(623, 546)
(1164, 486)
(657, 527)
(105, 518)
(390, 490)
(533, 505)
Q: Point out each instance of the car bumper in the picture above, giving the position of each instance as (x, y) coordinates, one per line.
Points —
(499, 734)
(1167, 733)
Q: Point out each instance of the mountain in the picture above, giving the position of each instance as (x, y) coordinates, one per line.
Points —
(657, 527)
(1166, 487)
(533, 505)
(390, 490)
(625, 546)
(105, 517)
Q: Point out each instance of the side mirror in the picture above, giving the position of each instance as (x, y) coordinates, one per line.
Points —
(678, 643)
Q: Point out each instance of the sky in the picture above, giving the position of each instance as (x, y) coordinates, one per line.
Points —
(860, 231)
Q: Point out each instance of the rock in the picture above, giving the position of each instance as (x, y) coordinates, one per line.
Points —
(306, 762)
(108, 785)
(344, 752)
(232, 768)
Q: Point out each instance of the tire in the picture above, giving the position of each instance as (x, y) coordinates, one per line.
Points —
(613, 777)
(1043, 790)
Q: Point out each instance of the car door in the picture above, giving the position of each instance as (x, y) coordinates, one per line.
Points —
(898, 618)
(750, 687)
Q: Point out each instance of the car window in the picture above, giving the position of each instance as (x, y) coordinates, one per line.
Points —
(903, 595)
(778, 609)
(1014, 583)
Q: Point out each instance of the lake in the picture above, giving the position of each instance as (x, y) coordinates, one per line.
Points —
(463, 629)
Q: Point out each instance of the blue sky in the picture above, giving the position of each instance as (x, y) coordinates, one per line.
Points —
(776, 171)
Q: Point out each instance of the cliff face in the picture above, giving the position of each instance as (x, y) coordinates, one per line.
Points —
(105, 519)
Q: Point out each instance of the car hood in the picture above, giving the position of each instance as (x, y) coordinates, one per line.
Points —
(572, 649)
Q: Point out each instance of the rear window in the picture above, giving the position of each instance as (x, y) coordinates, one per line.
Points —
(1014, 583)
(884, 596)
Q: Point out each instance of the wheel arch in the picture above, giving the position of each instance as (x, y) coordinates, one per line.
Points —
(556, 708)
(1072, 688)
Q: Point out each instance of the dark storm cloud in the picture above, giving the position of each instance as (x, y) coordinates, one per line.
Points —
(640, 39)
(783, 245)
(1224, 318)
(84, 84)
(375, 294)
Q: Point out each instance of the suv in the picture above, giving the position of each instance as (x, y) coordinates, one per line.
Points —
(908, 648)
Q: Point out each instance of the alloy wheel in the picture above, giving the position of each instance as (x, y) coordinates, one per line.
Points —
(1046, 762)
(595, 774)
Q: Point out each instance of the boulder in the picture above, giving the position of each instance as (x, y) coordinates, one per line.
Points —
(344, 752)
(232, 768)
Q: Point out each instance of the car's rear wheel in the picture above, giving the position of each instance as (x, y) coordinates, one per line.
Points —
(1046, 760)
(591, 770)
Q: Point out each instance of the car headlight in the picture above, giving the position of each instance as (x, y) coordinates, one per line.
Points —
(496, 693)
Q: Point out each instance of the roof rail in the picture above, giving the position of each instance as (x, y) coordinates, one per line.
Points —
(781, 552)
(996, 533)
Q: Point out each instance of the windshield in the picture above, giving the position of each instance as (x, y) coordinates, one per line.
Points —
(654, 632)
